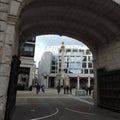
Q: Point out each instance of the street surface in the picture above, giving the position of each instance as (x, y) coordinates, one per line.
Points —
(50, 106)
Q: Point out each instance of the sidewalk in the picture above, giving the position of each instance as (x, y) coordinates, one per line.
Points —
(48, 92)
(53, 93)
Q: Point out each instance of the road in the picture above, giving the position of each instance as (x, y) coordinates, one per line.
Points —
(59, 108)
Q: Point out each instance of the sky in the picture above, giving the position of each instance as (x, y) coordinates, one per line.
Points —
(51, 40)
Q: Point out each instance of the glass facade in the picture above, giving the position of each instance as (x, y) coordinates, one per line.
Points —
(77, 61)
(28, 50)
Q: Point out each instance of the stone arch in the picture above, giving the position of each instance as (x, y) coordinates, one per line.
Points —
(96, 23)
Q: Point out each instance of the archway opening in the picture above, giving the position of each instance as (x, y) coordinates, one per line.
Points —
(76, 67)
(78, 60)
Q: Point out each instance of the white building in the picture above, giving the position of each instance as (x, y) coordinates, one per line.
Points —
(78, 65)
(44, 68)
(27, 66)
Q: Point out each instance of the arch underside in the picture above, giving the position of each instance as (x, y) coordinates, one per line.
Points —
(91, 21)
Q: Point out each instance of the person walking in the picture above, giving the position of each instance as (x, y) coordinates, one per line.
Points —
(58, 89)
(37, 88)
(89, 89)
(64, 89)
(70, 89)
(43, 88)
(67, 89)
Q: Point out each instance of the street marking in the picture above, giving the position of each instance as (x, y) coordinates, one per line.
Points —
(57, 110)
(79, 111)
(79, 99)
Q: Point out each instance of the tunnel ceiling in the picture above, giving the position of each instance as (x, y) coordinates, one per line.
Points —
(94, 22)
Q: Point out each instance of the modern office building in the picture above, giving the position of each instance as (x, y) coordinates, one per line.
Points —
(78, 65)
(27, 66)
(44, 68)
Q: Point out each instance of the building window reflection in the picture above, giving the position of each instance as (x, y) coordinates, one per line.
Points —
(28, 50)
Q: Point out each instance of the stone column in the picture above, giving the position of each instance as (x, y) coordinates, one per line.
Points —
(8, 48)
(6, 38)
(88, 85)
(30, 76)
(78, 82)
(62, 57)
(47, 81)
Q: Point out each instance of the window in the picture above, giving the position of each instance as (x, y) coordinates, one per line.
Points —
(72, 58)
(81, 71)
(90, 58)
(78, 58)
(88, 52)
(75, 50)
(53, 62)
(68, 51)
(53, 57)
(78, 65)
(81, 52)
(53, 67)
(90, 65)
(28, 50)
(71, 65)
(84, 58)
(71, 71)
(86, 71)
(83, 65)
(91, 71)
(65, 65)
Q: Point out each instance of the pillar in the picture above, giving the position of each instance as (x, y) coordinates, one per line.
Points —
(78, 82)
(88, 85)
(30, 76)
(47, 81)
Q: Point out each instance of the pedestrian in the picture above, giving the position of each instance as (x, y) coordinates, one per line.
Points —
(37, 88)
(89, 89)
(43, 88)
(70, 89)
(67, 89)
(64, 89)
(31, 87)
(58, 89)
